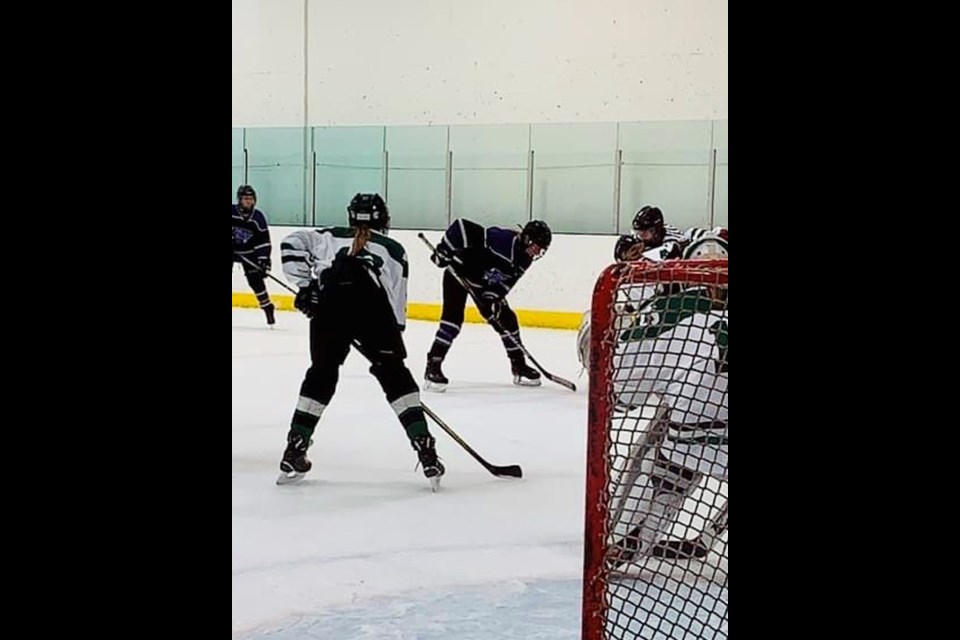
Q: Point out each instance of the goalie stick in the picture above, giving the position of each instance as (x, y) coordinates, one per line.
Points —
(506, 471)
(549, 376)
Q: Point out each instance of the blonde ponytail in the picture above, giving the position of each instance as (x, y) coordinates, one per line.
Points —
(360, 239)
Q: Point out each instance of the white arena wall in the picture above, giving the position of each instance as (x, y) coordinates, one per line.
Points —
(371, 62)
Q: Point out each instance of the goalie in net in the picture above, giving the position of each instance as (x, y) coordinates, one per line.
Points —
(664, 451)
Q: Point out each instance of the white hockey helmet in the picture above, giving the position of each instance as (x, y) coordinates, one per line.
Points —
(706, 247)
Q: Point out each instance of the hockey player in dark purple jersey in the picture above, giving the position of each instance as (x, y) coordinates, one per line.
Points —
(490, 261)
(251, 242)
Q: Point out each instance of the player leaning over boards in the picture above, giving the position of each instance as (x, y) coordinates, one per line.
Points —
(353, 287)
(653, 239)
(490, 260)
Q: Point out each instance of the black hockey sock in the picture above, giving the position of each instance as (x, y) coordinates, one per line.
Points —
(510, 341)
(446, 334)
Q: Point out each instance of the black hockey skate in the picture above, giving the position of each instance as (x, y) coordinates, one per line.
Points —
(523, 374)
(268, 310)
(434, 380)
(294, 464)
(427, 453)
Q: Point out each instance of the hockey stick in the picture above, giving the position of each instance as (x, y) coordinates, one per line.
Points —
(508, 471)
(496, 325)
(266, 273)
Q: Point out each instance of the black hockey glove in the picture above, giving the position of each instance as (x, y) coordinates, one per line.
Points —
(264, 263)
(442, 255)
(308, 299)
(494, 304)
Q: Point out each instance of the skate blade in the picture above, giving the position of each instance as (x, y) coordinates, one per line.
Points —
(522, 382)
(434, 483)
(290, 478)
(434, 386)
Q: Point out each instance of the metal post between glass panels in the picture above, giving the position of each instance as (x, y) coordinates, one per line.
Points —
(448, 195)
(313, 188)
(712, 186)
(385, 178)
(617, 167)
(530, 185)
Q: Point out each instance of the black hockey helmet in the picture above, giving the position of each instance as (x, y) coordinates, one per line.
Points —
(370, 210)
(536, 232)
(621, 251)
(246, 190)
(650, 219)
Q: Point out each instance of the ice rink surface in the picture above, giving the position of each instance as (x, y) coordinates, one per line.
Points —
(362, 548)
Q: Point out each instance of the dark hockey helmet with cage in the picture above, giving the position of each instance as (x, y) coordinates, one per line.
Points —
(246, 190)
(369, 209)
(650, 219)
(536, 232)
(622, 250)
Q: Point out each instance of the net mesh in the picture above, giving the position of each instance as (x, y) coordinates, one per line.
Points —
(656, 534)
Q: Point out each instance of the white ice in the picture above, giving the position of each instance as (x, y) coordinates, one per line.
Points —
(362, 548)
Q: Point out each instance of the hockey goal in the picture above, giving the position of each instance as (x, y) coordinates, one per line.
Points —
(655, 549)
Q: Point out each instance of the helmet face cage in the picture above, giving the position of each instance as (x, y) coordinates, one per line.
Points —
(710, 247)
(536, 232)
(245, 190)
(369, 209)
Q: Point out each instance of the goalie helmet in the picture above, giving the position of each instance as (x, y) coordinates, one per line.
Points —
(710, 247)
(245, 190)
(369, 209)
(706, 247)
(536, 232)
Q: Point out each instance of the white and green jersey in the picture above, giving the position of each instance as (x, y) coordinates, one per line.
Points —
(307, 252)
(677, 350)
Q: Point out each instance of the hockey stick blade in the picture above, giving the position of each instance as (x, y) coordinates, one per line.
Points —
(508, 471)
(563, 382)
(549, 376)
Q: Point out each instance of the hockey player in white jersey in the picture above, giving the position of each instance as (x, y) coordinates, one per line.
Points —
(353, 286)
(674, 358)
